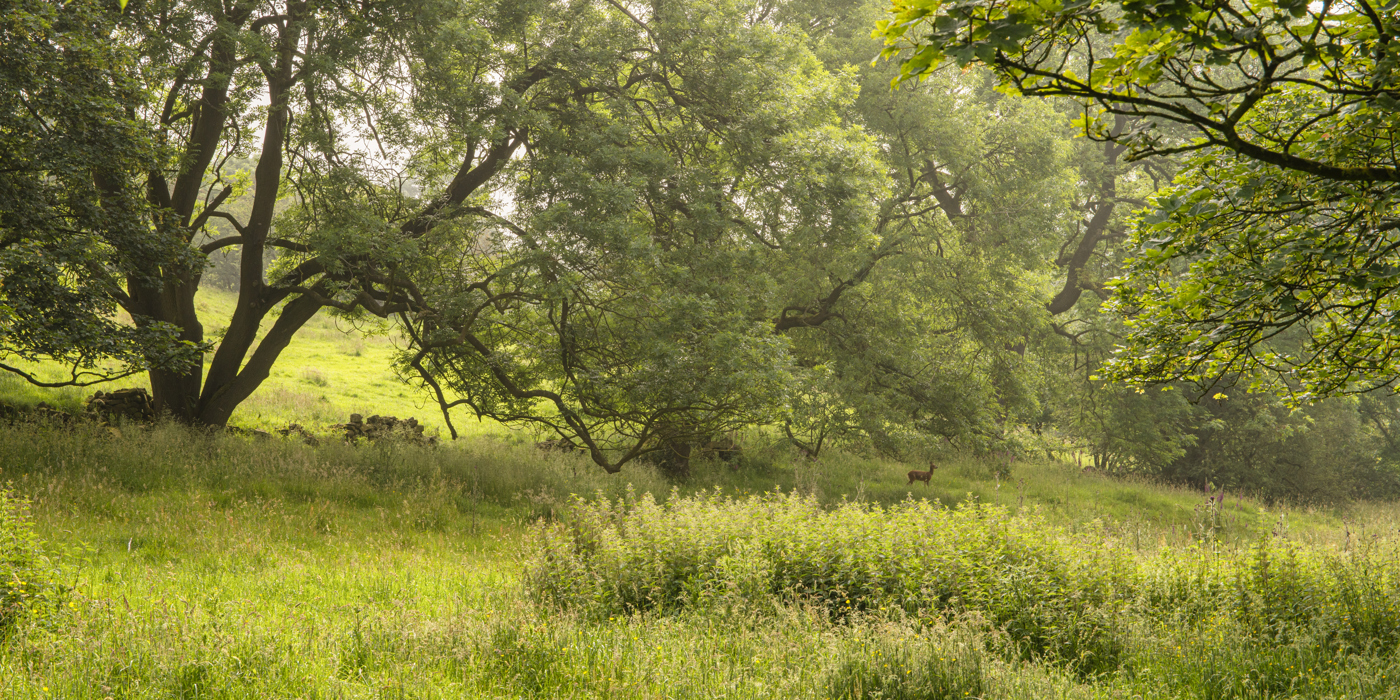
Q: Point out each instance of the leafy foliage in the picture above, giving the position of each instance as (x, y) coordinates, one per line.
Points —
(1300, 86)
(29, 584)
(634, 229)
(662, 215)
(1274, 251)
(1253, 443)
(1055, 595)
(697, 245)
(1134, 431)
(70, 231)
(632, 554)
(1243, 267)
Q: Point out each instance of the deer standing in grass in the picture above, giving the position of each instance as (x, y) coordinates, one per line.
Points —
(917, 475)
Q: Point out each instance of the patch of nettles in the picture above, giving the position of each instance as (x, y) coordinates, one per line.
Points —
(1066, 596)
(30, 581)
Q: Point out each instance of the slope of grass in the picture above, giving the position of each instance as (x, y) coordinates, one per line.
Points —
(331, 369)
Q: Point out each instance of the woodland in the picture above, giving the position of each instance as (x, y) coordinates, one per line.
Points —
(1155, 236)
(765, 349)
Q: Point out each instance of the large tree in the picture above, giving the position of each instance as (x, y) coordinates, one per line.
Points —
(377, 122)
(698, 240)
(1018, 227)
(1276, 249)
(696, 197)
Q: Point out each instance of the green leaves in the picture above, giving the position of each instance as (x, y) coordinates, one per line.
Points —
(71, 233)
(1265, 273)
(666, 213)
(29, 580)
(1181, 62)
(1267, 255)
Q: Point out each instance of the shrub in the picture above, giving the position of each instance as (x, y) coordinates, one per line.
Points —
(1344, 603)
(1253, 443)
(1051, 592)
(27, 577)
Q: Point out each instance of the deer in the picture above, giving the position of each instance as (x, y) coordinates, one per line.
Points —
(917, 475)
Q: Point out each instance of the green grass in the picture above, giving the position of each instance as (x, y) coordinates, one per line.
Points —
(330, 370)
(199, 566)
(217, 566)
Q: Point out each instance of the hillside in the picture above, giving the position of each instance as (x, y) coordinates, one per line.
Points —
(330, 370)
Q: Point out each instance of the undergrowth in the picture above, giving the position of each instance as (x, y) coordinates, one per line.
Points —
(633, 554)
(31, 582)
(1079, 599)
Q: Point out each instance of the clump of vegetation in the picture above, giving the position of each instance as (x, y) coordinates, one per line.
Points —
(1051, 591)
(29, 583)
(1080, 599)
(1278, 593)
(944, 665)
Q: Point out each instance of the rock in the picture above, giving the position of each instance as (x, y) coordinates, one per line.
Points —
(384, 427)
(725, 448)
(41, 412)
(260, 434)
(560, 445)
(297, 429)
(49, 413)
(129, 404)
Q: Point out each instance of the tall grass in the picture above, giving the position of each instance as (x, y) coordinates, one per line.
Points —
(31, 582)
(213, 566)
(232, 567)
(84, 460)
(1277, 619)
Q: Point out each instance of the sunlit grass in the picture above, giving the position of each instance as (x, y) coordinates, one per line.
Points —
(332, 368)
(217, 566)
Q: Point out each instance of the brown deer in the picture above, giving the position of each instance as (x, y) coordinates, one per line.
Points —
(917, 475)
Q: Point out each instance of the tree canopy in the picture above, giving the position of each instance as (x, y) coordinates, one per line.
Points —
(633, 226)
(70, 231)
(1275, 249)
(715, 231)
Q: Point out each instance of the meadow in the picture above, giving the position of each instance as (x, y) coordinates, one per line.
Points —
(334, 367)
(180, 564)
(160, 562)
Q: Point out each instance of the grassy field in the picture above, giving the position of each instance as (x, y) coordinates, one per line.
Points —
(226, 567)
(176, 564)
(330, 370)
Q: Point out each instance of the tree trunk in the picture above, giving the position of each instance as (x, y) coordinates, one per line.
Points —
(174, 393)
(241, 362)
